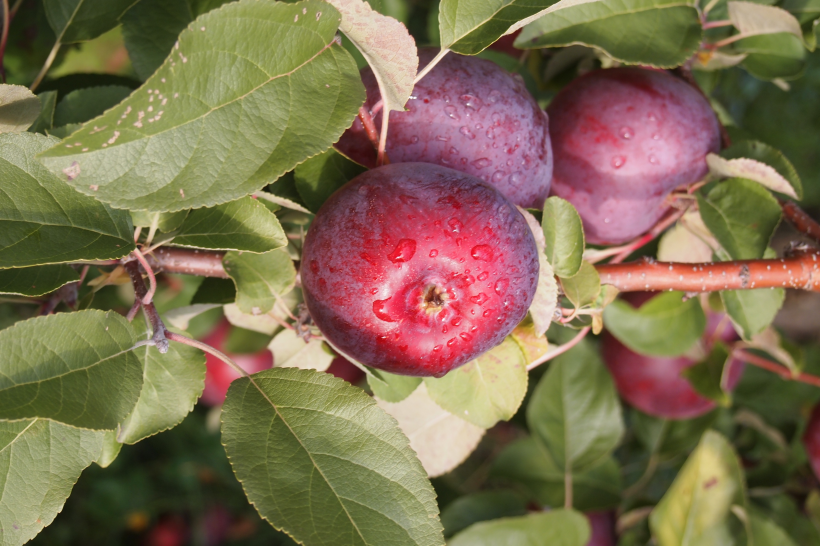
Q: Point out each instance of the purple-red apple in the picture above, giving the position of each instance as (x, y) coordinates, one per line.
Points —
(169, 531)
(218, 375)
(623, 139)
(343, 369)
(654, 384)
(811, 440)
(416, 269)
(471, 115)
(603, 528)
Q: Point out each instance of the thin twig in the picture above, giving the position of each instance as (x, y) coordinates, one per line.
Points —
(152, 280)
(782, 371)
(560, 350)
(716, 24)
(140, 291)
(369, 127)
(208, 349)
(4, 35)
(47, 65)
(381, 155)
(636, 487)
(15, 8)
(801, 221)
(430, 65)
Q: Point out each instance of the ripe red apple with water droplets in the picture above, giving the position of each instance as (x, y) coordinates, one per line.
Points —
(218, 375)
(416, 269)
(623, 139)
(471, 115)
(811, 440)
(654, 384)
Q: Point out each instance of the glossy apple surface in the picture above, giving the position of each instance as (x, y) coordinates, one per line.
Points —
(218, 375)
(603, 528)
(623, 139)
(654, 384)
(416, 269)
(471, 115)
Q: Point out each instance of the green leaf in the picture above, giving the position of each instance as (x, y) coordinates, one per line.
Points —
(81, 20)
(544, 303)
(666, 325)
(151, 27)
(214, 290)
(222, 117)
(773, 56)
(171, 384)
(695, 511)
(291, 351)
(36, 281)
(584, 287)
(667, 437)
(782, 178)
(662, 33)
(110, 449)
(527, 463)
(319, 177)
(574, 411)
(483, 506)
(82, 105)
(766, 532)
(244, 224)
(742, 216)
(19, 108)
(260, 278)
(707, 376)
(486, 390)
(391, 387)
(564, 235)
(441, 440)
(166, 221)
(45, 119)
(752, 311)
(387, 46)
(74, 368)
(43, 220)
(40, 461)
(318, 459)
(753, 19)
(556, 528)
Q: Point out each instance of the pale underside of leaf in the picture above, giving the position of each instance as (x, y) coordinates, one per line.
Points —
(387, 46)
(753, 19)
(750, 169)
(19, 107)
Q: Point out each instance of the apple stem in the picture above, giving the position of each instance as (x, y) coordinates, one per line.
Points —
(152, 280)
(801, 221)
(369, 127)
(568, 489)
(423, 72)
(179, 338)
(381, 157)
(716, 24)
(561, 349)
(140, 292)
(782, 371)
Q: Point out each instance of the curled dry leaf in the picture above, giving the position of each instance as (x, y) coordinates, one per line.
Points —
(440, 439)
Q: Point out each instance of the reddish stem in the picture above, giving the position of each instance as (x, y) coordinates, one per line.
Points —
(799, 271)
(152, 280)
(140, 291)
(778, 369)
(203, 263)
(804, 223)
(207, 348)
(369, 127)
(560, 350)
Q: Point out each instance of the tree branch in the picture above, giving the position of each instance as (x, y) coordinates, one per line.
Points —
(802, 222)
(159, 338)
(203, 263)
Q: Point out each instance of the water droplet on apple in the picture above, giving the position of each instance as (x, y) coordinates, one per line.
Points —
(482, 162)
(443, 138)
(653, 159)
(481, 298)
(501, 286)
(455, 225)
(437, 348)
(444, 329)
(490, 133)
(452, 112)
(497, 176)
(626, 133)
(453, 150)
(487, 313)
(380, 312)
(482, 252)
(471, 101)
(656, 136)
(501, 318)
(465, 336)
(494, 96)
(403, 252)
(451, 342)
(374, 291)
(496, 117)
(456, 321)
(466, 132)
(618, 161)
(652, 117)
(433, 253)
(414, 139)
(483, 276)
(516, 178)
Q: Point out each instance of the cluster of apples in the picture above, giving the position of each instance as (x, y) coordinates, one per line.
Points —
(419, 266)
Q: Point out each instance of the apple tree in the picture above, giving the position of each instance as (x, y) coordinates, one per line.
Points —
(592, 322)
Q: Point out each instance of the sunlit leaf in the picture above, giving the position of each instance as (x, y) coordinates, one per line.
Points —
(36, 281)
(19, 108)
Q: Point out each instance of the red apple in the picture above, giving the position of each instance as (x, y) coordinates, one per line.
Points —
(343, 369)
(654, 384)
(218, 375)
(471, 115)
(623, 139)
(505, 45)
(416, 269)
(603, 528)
(169, 531)
(811, 440)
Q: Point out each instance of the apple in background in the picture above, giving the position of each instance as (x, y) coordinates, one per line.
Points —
(218, 375)
(603, 528)
(416, 269)
(811, 440)
(471, 115)
(654, 384)
(169, 531)
(623, 139)
(343, 369)
(505, 45)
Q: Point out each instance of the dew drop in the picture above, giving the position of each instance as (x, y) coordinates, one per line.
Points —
(443, 138)
(379, 311)
(456, 321)
(653, 159)
(481, 298)
(453, 150)
(482, 252)
(618, 161)
(374, 291)
(471, 101)
(652, 117)
(466, 132)
(501, 286)
(481, 162)
(483, 276)
(433, 253)
(656, 136)
(455, 225)
(501, 318)
(452, 112)
(496, 117)
(490, 133)
(626, 133)
(414, 139)
(437, 348)
(487, 313)
(403, 252)
(451, 342)
(497, 176)
(444, 329)
(493, 97)
(516, 178)
(465, 336)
